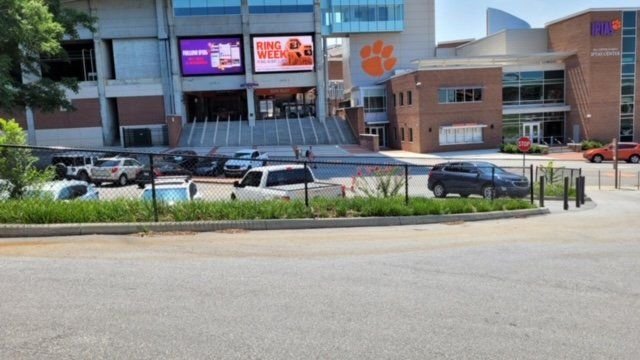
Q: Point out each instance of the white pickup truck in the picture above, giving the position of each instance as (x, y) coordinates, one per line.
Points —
(283, 182)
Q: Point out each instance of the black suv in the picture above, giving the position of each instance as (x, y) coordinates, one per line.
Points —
(476, 177)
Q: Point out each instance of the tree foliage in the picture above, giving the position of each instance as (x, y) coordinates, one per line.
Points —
(33, 29)
(17, 164)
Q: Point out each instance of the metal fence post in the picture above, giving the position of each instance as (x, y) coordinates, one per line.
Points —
(566, 193)
(493, 182)
(406, 184)
(532, 181)
(306, 185)
(153, 188)
(541, 191)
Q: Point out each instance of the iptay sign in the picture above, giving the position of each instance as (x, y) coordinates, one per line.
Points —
(605, 28)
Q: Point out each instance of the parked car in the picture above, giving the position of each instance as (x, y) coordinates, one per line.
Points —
(117, 170)
(63, 190)
(627, 151)
(475, 177)
(243, 161)
(283, 182)
(160, 169)
(185, 158)
(172, 190)
(211, 166)
(75, 165)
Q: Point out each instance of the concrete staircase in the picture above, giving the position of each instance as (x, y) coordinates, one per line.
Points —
(294, 131)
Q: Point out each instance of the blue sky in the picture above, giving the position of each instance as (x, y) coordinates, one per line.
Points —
(462, 19)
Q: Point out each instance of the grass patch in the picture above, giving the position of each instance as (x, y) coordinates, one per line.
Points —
(57, 212)
(554, 190)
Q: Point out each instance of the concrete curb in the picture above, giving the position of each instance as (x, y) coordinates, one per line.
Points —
(17, 231)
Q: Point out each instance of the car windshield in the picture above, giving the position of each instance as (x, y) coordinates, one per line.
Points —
(242, 155)
(167, 194)
(107, 163)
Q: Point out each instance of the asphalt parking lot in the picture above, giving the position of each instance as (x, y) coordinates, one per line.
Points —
(562, 286)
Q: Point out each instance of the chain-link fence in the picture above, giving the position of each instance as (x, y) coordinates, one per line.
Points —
(161, 179)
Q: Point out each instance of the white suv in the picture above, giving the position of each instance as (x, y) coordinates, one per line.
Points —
(171, 190)
(75, 165)
(117, 170)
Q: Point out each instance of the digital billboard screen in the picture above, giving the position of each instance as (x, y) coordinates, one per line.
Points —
(211, 56)
(283, 53)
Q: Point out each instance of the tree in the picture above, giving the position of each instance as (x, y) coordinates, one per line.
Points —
(33, 29)
(17, 164)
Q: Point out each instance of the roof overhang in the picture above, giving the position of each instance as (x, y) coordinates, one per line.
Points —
(492, 61)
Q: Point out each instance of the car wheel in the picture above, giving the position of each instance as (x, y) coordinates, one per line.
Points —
(597, 159)
(634, 158)
(83, 176)
(122, 180)
(439, 191)
(488, 192)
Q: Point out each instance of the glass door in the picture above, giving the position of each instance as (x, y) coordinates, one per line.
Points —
(532, 131)
(382, 135)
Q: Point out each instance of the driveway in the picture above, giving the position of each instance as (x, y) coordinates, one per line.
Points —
(565, 285)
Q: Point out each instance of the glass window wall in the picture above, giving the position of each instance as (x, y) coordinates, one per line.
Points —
(551, 126)
(206, 7)
(628, 78)
(533, 87)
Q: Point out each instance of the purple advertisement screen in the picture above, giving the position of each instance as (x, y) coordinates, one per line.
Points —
(211, 56)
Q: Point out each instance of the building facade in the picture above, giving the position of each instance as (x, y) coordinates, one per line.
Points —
(227, 62)
(575, 79)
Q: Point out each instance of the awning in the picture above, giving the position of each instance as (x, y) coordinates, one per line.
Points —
(463, 126)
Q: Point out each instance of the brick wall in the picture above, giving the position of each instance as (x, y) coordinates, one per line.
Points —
(425, 116)
(592, 82)
(18, 115)
(87, 114)
(143, 110)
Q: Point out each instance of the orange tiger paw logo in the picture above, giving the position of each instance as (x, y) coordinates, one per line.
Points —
(616, 25)
(377, 58)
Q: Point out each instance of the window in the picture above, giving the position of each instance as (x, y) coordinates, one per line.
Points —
(401, 99)
(402, 134)
(452, 135)
(375, 100)
(533, 87)
(206, 7)
(459, 95)
(394, 100)
(410, 134)
(252, 179)
(409, 98)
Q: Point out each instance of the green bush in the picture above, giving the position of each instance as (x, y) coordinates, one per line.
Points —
(513, 149)
(55, 212)
(591, 144)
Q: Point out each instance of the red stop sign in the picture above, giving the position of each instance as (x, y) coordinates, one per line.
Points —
(524, 144)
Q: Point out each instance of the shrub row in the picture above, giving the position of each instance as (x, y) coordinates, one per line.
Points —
(54, 212)
(513, 149)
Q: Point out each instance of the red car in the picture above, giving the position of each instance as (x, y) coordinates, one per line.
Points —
(627, 151)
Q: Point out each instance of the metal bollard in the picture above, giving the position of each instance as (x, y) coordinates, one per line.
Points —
(541, 191)
(531, 184)
(306, 186)
(582, 182)
(406, 184)
(578, 189)
(566, 193)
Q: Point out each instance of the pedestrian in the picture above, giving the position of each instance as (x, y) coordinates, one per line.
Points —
(296, 152)
(311, 157)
